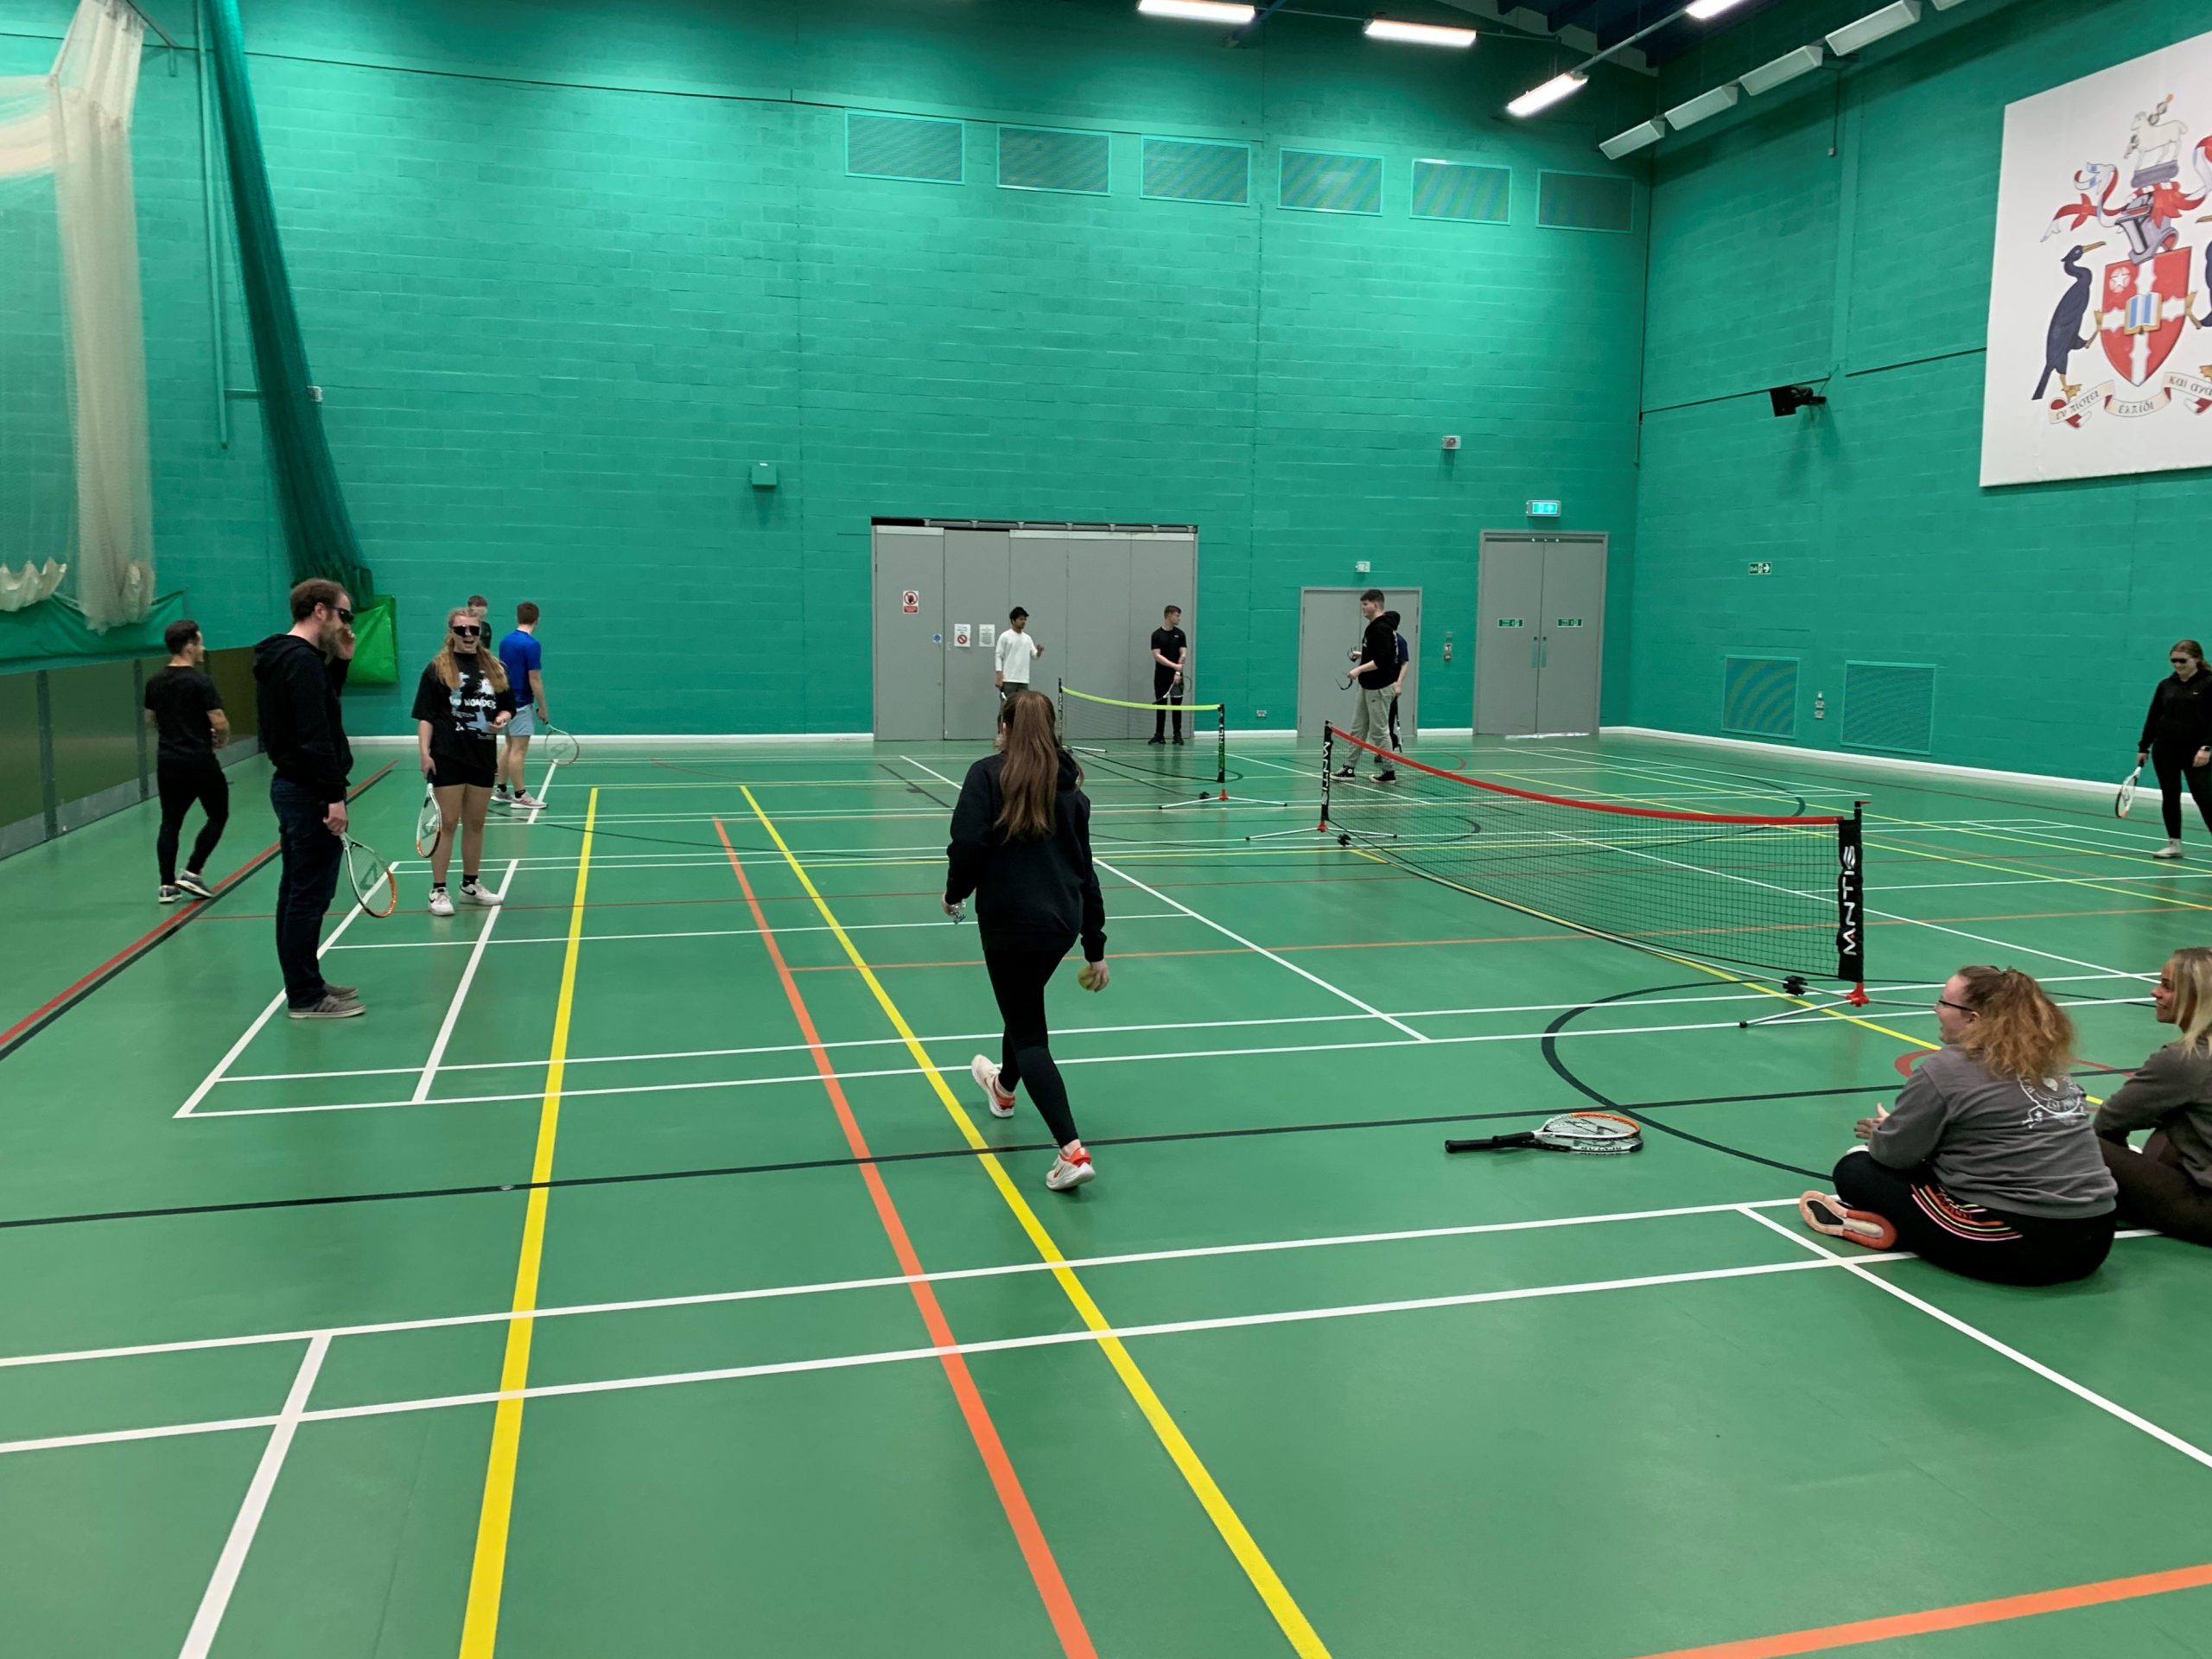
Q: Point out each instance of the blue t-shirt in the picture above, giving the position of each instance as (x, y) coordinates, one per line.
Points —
(520, 652)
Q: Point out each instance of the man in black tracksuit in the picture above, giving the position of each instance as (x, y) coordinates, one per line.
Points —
(1376, 670)
(1171, 648)
(298, 675)
(2177, 740)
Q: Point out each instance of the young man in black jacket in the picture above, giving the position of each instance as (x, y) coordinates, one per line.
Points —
(298, 675)
(1377, 672)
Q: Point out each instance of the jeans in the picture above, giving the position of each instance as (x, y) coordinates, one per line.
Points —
(311, 855)
(182, 783)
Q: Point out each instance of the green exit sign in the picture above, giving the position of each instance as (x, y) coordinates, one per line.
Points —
(1568, 622)
(1543, 509)
(1511, 622)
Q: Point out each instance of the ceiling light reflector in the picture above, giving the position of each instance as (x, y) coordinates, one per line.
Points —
(1198, 11)
(1543, 97)
(1385, 28)
(1874, 26)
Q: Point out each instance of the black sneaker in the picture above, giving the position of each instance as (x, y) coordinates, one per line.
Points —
(1347, 771)
(1388, 777)
(193, 883)
(1179, 742)
(169, 893)
(1156, 738)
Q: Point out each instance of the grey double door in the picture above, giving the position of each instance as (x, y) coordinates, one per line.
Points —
(1330, 628)
(940, 596)
(1540, 634)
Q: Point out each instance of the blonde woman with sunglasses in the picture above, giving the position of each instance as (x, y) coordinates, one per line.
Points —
(2168, 1184)
(462, 705)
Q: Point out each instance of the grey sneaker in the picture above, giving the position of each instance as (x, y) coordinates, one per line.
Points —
(2171, 850)
(343, 993)
(330, 1007)
(169, 893)
(195, 884)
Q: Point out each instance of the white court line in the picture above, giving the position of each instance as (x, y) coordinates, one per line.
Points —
(706, 932)
(1856, 1267)
(993, 1345)
(461, 993)
(707, 1298)
(192, 1100)
(1281, 962)
(216, 1598)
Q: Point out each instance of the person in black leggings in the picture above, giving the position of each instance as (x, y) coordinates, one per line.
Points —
(1021, 844)
(2177, 739)
(187, 711)
(1986, 1165)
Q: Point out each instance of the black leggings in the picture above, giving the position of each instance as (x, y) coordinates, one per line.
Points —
(181, 785)
(1019, 973)
(2172, 765)
(1982, 1244)
(2157, 1191)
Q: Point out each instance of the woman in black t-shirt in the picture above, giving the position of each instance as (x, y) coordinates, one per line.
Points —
(460, 705)
(2177, 740)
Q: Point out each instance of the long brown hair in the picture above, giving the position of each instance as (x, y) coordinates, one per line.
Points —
(2021, 1034)
(2189, 645)
(487, 660)
(1031, 778)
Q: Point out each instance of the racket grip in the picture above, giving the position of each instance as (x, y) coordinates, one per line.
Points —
(1492, 1143)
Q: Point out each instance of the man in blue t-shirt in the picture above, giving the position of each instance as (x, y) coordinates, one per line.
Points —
(523, 657)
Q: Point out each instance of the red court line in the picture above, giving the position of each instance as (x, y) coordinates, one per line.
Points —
(1059, 1605)
(1960, 1618)
(62, 1001)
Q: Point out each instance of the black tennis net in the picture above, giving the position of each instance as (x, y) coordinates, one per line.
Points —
(1779, 893)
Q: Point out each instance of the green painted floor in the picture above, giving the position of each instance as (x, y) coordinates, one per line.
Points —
(1350, 1396)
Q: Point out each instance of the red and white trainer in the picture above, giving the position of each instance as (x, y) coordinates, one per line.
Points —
(985, 1071)
(1071, 1170)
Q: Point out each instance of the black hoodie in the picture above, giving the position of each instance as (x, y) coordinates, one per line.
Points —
(301, 728)
(1380, 648)
(1039, 894)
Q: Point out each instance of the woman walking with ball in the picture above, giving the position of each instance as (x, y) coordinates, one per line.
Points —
(1021, 844)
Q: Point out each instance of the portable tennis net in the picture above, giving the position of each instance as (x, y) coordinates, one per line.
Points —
(1783, 894)
(1121, 732)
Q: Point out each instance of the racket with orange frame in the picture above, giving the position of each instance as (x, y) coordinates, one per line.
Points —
(1599, 1133)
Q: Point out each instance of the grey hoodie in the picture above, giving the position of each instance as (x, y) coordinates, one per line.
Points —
(2018, 1147)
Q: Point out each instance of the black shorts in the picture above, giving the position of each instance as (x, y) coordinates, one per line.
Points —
(479, 769)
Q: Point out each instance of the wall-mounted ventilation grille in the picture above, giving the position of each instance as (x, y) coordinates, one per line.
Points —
(904, 147)
(1585, 202)
(1183, 169)
(1456, 190)
(1758, 695)
(1050, 158)
(1318, 182)
(1889, 706)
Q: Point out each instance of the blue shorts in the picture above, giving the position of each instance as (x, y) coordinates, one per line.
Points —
(525, 724)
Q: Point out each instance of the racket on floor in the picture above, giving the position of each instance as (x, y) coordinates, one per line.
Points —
(430, 822)
(375, 888)
(561, 747)
(1601, 1132)
(2125, 799)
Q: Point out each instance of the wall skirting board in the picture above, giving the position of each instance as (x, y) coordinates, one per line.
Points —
(1879, 763)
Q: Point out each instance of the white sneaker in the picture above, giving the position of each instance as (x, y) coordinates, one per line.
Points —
(985, 1071)
(501, 798)
(527, 801)
(441, 902)
(2171, 850)
(475, 893)
(1067, 1173)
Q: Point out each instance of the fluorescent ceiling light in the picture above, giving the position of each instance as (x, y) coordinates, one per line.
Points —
(1621, 143)
(1543, 97)
(1200, 11)
(1382, 29)
(1787, 67)
(1874, 26)
(1702, 9)
(1705, 104)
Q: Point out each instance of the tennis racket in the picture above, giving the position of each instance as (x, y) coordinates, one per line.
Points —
(561, 748)
(430, 822)
(374, 885)
(1580, 1132)
(2125, 799)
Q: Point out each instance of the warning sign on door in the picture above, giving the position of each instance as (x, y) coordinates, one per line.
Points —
(910, 601)
(961, 635)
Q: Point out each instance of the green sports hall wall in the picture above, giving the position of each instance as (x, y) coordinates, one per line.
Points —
(2046, 610)
(565, 270)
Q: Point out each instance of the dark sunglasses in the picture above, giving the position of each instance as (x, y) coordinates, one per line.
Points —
(466, 630)
(2181, 662)
(344, 615)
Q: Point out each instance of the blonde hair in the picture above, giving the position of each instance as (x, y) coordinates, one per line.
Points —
(2020, 1033)
(1031, 777)
(2191, 969)
(487, 660)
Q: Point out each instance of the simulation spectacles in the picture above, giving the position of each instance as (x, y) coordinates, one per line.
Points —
(466, 630)
(346, 616)
(2181, 662)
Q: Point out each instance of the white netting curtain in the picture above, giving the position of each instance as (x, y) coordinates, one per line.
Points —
(74, 125)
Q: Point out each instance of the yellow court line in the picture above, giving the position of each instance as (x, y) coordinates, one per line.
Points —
(1304, 1639)
(2008, 869)
(479, 1630)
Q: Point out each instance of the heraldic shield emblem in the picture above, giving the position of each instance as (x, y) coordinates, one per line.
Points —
(2144, 309)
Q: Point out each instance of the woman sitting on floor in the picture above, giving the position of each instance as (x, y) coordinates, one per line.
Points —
(1986, 1165)
(2168, 1184)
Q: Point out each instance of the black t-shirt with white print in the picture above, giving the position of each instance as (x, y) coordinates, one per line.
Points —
(460, 717)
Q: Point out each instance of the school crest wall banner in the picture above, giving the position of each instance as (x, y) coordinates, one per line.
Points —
(2099, 357)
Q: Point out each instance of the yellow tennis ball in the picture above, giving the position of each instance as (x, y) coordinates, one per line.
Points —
(1087, 976)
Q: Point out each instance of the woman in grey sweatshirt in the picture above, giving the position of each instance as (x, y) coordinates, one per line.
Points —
(2168, 1184)
(1986, 1164)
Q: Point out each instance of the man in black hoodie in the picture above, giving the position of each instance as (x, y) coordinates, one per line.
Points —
(298, 675)
(1377, 672)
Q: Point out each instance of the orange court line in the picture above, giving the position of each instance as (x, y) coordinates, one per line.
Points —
(1059, 1604)
(1960, 1618)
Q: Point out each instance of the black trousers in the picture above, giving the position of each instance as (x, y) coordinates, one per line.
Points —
(183, 783)
(2171, 762)
(2156, 1191)
(1164, 689)
(1018, 974)
(1980, 1242)
(311, 855)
